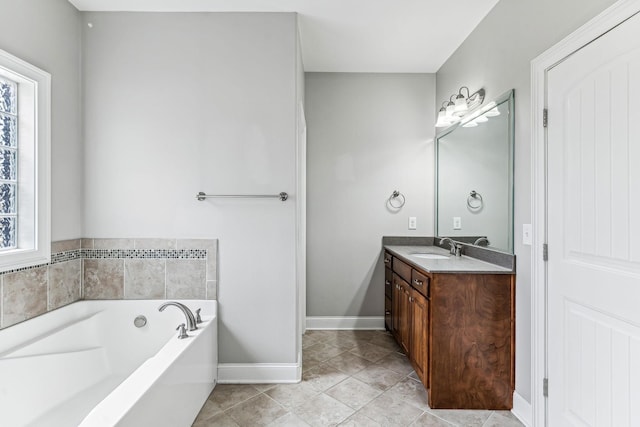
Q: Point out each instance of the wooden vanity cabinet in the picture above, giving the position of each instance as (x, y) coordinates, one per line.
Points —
(458, 332)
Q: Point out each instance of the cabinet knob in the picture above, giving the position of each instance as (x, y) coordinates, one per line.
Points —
(387, 313)
(387, 282)
(417, 282)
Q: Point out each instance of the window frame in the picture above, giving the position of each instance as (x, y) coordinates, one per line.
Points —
(34, 116)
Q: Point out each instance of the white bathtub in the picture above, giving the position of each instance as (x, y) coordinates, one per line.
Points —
(87, 365)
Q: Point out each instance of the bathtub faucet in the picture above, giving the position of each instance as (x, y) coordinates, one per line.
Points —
(191, 319)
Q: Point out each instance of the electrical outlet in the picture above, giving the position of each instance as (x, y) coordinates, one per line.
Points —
(457, 223)
(412, 223)
(526, 234)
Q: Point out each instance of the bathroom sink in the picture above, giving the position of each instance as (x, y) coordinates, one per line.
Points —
(429, 256)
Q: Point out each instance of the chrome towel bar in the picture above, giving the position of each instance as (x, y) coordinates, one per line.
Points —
(282, 196)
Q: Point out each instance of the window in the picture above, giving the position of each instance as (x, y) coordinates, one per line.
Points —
(24, 164)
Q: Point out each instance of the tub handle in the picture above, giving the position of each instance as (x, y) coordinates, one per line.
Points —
(182, 328)
(198, 318)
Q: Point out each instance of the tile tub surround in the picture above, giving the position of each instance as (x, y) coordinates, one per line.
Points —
(110, 269)
(344, 383)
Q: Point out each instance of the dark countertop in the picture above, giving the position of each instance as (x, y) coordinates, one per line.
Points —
(452, 264)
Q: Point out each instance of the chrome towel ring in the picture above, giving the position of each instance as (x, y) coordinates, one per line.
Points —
(396, 200)
(474, 201)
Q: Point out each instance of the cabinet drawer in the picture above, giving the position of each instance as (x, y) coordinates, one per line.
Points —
(388, 259)
(401, 269)
(420, 282)
(388, 277)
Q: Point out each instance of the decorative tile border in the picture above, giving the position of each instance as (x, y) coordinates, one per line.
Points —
(145, 253)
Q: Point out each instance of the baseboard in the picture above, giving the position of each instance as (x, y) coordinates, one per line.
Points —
(259, 373)
(354, 322)
(521, 409)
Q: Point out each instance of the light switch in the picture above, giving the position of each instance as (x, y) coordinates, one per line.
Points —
(526, 234)
(412, 223)
(457, 223)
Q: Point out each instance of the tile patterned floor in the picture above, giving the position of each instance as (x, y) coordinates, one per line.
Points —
(350, 378)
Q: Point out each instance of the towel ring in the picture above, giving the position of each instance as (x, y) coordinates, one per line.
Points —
(474, 201)
(398, 197)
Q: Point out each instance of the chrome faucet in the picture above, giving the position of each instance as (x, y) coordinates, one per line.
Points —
(191, 319)
(456, 249)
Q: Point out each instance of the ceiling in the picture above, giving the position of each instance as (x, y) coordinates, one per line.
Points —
(380, 36)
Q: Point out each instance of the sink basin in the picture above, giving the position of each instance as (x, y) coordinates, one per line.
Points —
(429, 256)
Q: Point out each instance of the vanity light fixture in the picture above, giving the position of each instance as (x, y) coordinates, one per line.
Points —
(452, 111)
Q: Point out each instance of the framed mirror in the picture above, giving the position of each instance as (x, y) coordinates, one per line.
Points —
(474, 177)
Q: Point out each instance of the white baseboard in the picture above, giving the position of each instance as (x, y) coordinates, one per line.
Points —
(259, 373)
(354, 322)
(522, 409)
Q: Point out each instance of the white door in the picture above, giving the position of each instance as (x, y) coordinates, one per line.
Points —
(594, 233)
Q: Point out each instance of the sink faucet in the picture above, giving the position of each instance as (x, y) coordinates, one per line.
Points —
(456, 249)
(191, 319)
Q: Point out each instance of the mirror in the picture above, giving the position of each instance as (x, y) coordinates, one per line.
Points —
(474, 177)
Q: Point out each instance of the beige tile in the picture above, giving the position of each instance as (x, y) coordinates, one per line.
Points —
(224, 396)
(211, 246)
(288, 420)
(348, 363)
(103, 278)
(429, 420)
(64, 283)
(86, 243)
(290, 395)
(414, 375)
(378, 377)
(113, 243)
(260, 410)
(144, 278)
(322, 351)
(65, 245)
(186, 279)
(502, 419)
(396, 362)
(385, 340)
(323, 411)
(466, 418)
(345, 342)
(389, 411)
(369, 351)
(24, 295)
(353, 393)
(154, 243)
(219, 420)
(212, 289)
(359, 420)
(308, 363)
(322, 377)
(411, 392)
(310, 339)
(263, 387)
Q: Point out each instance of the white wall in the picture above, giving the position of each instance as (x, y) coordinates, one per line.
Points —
(186, 102)
(46, 33)
(368, 134)
(497, 56)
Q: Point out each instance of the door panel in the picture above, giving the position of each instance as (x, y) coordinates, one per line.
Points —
(594, 233)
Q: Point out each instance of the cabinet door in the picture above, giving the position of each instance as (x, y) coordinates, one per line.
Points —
(396, 297)
(419, 341)
(404, 316)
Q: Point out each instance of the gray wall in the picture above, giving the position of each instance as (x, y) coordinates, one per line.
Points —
(186, 102)
(497, 56)
(368, 134)
(46, 33)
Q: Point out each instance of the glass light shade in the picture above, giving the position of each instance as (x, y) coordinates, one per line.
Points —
(460, 106)
(481, 119)
(492, 112)
(470, 124)
(442, 119)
